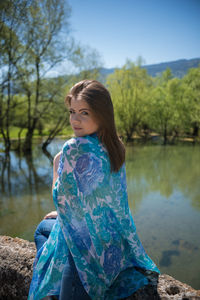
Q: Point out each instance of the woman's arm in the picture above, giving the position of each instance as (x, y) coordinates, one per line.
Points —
(55, 168)
(53, 214)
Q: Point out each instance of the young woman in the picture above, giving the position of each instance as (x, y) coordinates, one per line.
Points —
(93, 251)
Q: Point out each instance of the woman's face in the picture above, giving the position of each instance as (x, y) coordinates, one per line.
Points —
(81, 118)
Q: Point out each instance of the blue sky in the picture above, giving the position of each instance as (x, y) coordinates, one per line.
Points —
(157, 30)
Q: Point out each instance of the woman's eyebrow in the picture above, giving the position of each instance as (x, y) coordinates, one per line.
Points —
(84, 109)
(79, 109)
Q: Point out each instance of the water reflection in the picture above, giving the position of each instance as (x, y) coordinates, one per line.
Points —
(164, 196)
(5, 173)
(25, 190)
(164, 169)
(21, 175)
(166, 259)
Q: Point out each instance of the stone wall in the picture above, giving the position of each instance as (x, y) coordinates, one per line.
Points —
(16, 260)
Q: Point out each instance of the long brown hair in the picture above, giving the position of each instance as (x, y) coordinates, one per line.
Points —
(99, 100)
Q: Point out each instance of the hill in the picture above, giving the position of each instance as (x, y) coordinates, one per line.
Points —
(179, 67)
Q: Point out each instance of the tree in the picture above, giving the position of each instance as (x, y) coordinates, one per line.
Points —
(13, 19)
(87, 62)
(57, 117)
(191, 83)
(129, 87)
(30, 46)
(38, 41)
(164, 106)
(46, 19)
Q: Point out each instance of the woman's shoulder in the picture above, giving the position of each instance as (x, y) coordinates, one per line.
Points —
(80, 142)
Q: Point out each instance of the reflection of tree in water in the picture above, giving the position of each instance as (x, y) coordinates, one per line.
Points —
(26, 182)
(25, 192)
(165, 170)
(25, 174)
(5, 173)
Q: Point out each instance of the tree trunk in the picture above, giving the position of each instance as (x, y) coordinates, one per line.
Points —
(130, 132)
(48, 155)
(195, 130)
(7, 143)
(18, 147)
(7, 117)
(128, 136)
(165, 135)
(27, 146)
(58, 127)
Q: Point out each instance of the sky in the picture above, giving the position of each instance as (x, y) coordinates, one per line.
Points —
(157, 30)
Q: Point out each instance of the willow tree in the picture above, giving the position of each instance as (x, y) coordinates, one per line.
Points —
(165, 105)
(129, 89)
(191, 83)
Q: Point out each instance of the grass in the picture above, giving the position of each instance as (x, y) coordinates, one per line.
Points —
(14, 131)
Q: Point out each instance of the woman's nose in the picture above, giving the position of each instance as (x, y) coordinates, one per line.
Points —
(75, 118)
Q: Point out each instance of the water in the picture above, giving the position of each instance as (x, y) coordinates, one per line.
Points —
(164, 197)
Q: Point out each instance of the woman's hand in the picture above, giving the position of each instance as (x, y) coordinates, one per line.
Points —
(51, 215)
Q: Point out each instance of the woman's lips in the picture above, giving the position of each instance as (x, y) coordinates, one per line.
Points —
(77, 128)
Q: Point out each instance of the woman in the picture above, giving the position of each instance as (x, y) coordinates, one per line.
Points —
(94, 238)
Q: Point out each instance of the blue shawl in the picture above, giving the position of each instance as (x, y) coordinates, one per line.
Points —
(95, 224)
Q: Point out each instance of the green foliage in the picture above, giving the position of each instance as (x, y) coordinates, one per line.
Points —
(14, 131)
(32, 42)
(191, 83)
(34, 37)
(129, 88)
(165, 105)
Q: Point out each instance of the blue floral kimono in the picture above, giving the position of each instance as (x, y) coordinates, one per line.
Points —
(95, 224)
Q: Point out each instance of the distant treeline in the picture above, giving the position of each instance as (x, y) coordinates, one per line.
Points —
(166, 105)
(179, 68)
(143, 105)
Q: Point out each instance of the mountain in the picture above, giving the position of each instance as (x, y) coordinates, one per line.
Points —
(178, 67)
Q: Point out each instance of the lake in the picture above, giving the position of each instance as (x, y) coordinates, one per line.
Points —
(164, 197)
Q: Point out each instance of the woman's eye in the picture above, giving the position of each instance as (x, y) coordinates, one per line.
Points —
(71, 112)
(85, 113)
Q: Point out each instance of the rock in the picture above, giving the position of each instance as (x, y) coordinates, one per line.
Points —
(16, 261)
(165, 287)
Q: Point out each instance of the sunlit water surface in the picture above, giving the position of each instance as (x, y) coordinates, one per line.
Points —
(164, 197)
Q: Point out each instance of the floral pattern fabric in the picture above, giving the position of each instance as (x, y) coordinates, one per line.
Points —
(95, 224)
